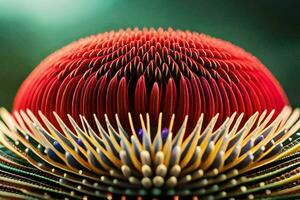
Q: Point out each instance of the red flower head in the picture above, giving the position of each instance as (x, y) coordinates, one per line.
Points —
(150, 71)
(166, 74)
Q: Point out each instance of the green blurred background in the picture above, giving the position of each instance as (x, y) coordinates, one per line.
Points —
(32, 29)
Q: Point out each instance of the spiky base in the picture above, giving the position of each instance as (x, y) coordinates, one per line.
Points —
(258, 160)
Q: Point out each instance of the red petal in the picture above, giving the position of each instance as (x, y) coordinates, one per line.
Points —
(140, 101)
(154, 103)
(122, 102)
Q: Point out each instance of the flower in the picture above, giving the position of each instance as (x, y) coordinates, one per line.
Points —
(150, 113)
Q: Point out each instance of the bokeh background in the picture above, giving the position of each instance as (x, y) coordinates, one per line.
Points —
(32, 29)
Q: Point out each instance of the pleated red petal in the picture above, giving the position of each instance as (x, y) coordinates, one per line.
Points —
(149, 71)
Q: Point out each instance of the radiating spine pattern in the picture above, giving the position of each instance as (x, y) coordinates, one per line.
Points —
(256, 160)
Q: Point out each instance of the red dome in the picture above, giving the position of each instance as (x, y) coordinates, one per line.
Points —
(140, 71)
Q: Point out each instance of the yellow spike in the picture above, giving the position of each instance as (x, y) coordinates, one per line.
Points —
(8, 119)
(61, 142)
(195, 165)
(34, 120)
(209, 130)
(261, 117)
(67, 132)
(118, 147)
(148, 124)
(293, 118)
(193, 145)
(108, 154)
(82, 123)
(37, 152)
(197, 127)
(159, 124)
(181, 132)
(143, 123)
(132, 156)
(20, 121)
(286, 136)
(101, 133)
(227, 123)
(158, 133)
(287, 112)
(171, 123)
(260, 126)
(219, 143)
(7, 131)
(133, 130)
(131, 124)
(167, 149)
(249, 125)
(7, 144)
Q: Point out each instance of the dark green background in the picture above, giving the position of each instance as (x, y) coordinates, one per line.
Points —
(32, 29)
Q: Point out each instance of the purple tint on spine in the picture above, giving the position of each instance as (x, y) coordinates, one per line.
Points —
(164, 134)
(140, 134)
(79, 142)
